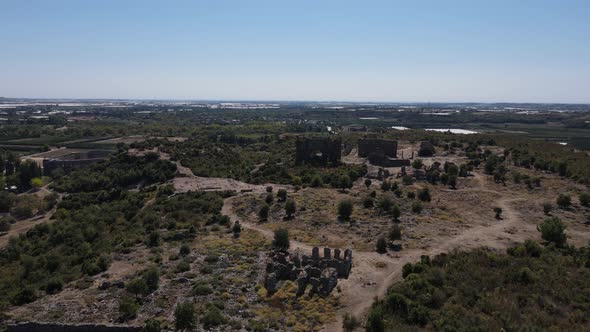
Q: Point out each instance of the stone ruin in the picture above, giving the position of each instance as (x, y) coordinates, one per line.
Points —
(381, 152)
(322, 273)
(318, 150)
(386, 147)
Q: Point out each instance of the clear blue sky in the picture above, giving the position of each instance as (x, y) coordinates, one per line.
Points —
(517, 50)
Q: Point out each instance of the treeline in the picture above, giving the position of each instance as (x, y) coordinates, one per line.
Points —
(119, 171)
(531, 288)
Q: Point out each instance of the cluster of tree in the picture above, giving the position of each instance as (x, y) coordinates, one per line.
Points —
(120, 171)
(477, 290)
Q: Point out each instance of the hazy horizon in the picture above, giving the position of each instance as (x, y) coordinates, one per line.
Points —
(340, 51)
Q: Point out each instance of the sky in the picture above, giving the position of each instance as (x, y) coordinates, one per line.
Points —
(324, 50)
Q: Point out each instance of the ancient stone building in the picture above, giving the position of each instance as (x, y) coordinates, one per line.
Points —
(318, 150)
(369, 146)
(321, 272)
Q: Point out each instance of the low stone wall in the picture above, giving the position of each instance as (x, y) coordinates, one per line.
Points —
(56, 327)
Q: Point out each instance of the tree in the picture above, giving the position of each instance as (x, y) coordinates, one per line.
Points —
(396, 213)
(269, 198)
(385, 186)
(317, 182)
(282, 195)
(290, 207)
(385, 204)
(137, 287)
(36, 182)
(184, 249)
(152, 325)
(584, 199)
(127, 308)
(424, 194)
(213, 317)
(498, 212)
(368, 183)
(452, 181)
(547, 207)
(184, 316)
(368, 202)
(417, 207)
(281, 239)
(375, 321)
(564, 201)
(553, 230)
(344, 182)
(263, 213)
(381, 245)
(345, 208)
(395, 233)
(269, 189)
(237, 229)
(152, 278)
(349, 323)
(4, 225)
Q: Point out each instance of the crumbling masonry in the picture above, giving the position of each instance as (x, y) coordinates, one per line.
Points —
(318, 150)
(322, 273)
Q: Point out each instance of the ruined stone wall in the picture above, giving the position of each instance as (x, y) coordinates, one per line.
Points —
(321, 150)
(369, 146)
(57, 327)
(321, 272)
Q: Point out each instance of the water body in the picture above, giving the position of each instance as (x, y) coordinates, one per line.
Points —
(453, 131)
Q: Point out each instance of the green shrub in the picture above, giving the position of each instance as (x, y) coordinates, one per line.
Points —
(184, 316)
(345, 208)
(128, 308)
(553, 230)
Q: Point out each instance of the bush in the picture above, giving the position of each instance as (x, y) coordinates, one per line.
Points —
(137, 287)
(553, 230)
(368, 183)
(202, 290)
(54, 286)
(368, 202)
(152, 278)
(411, 195)
(290, 207)
(183, 266)
(152, 325)
(282, 195)
(381, 246)
(127, 308)
(269, 198)
(424, 194)
(4, 225)
(184, 316)
(417, 207)
(407, 180)
(385, 186)
(269, 189)
(564, 201)
(213, 317)
(281, 239)
(345, 208)
(547, 207)
(317, 182)
(263, 213)
(385, 204)
(184, 249)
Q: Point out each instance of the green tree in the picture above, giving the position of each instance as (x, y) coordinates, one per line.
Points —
(152, 278)
(417, 207)
(127, 308)
(344, 182)
(152, 325)
(269, 198)
(290, 207)
(282, 195)
(381, 246)
(547, 207)
(281, 239)
(185, 249)
(368, 183)
(564, 201)
(137, 287)
(553, 230)
(345, 208)
(184, 316)
(417, 164)
(237, 229)
(424, 194)
(263, 213)
(368, 202)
